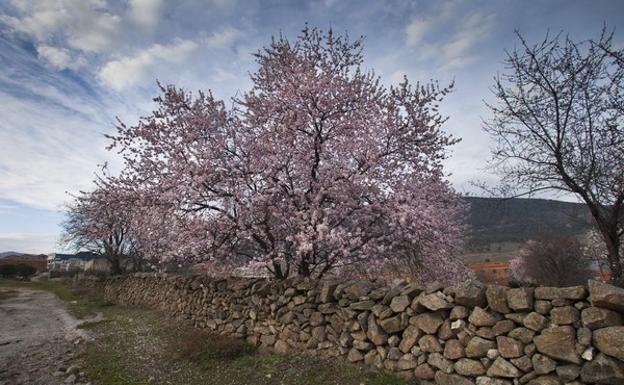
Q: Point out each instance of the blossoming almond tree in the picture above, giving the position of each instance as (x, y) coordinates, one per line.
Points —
(318, 166)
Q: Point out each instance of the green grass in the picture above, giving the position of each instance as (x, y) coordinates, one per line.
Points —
(139, 344)
(79, 303)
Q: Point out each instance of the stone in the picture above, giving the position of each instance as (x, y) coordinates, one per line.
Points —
(557, 302)
(522, 334)
(478, 347)
(375, 333)
(607, 296)
(583, 336)
(435, 301)
(358, 289)
(573, 292)
(523, 363)
(543, 364)
(480, 317)
(497, 298)
(459, 312)
(530, 349)
(400, 303)
(545, 380)
(411, 290)
(451, 379)
(362, 345)
(71, 379)
(407, 361)
(509, 347)
(362, 305)
(603, 370)
(568, 372)
(371, 358)
(535, 321)
(428, 322)
(565, 315)
(445, 332)
(503, 327)
(394, 340)
(267, 340)
(355, 355)
(438, 361)
(503, 368)
(485, 332)
(483, 380)
(281, 347)
(610, 341)
(520, 299)
(545, 292)
(411, 334)
(492, 354)
(558, 343)
(468, 367)
(470, 294)
(394, 354)
(453, 349)
(542, 307)
(516, 317)
(588, 354)
(429, 344)
(327, 292)
(458, 326)
(392, 324)
(597, 317)
(424, 372)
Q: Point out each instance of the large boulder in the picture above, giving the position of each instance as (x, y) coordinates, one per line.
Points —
(503, 368)
(428, 322)
(497, 298)
(451, 379)
(470, 294)
(610, 341)
(605, 295)
(597, 317)
(478, 347)
(558, 343)
(480, 317)
(520, 299)
(603, 370)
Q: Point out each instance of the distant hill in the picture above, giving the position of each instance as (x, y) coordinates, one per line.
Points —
(499, 224)
(9, 254)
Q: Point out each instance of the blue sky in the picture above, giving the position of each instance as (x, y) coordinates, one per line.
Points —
(69, 67)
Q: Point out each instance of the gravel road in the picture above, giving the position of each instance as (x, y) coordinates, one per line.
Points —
(36, 338)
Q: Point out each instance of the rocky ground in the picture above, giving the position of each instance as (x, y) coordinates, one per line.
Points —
(39, 339)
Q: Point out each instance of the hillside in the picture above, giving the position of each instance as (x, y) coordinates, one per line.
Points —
(500, 224)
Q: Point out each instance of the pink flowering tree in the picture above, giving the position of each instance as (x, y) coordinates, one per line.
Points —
(318, 166)
(101, 221)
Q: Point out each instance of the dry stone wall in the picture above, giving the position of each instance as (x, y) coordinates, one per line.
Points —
(470, 334)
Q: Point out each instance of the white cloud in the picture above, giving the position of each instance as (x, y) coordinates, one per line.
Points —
(46, 151)
(86, 24)
(128, 71)
(416, 31)
(32, 243)
(222, 38)
(60, 58)
(145, 13)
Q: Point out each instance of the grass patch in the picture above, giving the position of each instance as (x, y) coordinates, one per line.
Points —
(80, 303)
(140, 346)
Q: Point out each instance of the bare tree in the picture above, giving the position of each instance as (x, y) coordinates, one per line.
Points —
(552, 261)
(558, 126)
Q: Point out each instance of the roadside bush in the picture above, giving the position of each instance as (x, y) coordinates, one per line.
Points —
(17, 270)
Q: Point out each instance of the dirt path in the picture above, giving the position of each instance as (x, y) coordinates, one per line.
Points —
(37, 338)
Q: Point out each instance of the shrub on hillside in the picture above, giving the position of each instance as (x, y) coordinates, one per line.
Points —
(551, 261)
(17, 270)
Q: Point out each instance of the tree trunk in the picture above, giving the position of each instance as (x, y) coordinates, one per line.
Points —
(115, 268)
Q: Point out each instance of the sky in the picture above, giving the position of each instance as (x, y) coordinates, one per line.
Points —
(70, 68)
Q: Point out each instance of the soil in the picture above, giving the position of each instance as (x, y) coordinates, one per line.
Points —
(39, 339)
